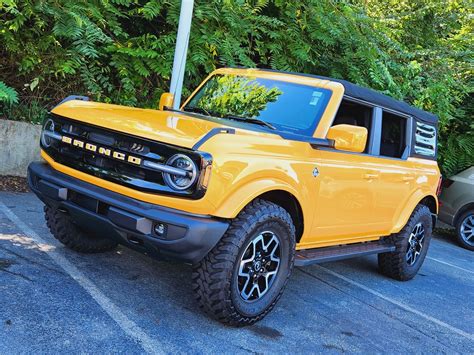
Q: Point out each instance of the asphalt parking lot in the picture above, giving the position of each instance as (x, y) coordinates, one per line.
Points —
(54, 300)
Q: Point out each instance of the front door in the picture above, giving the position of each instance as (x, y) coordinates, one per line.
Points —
(346, 194)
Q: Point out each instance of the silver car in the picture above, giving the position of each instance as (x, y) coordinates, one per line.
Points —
(457, 206)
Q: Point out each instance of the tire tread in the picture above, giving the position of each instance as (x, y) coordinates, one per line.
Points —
(64, 230)
(212, 276)
(393, 264)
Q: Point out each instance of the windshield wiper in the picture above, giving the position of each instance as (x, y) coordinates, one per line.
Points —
(250, 120)
(197, 110)
(203, 111)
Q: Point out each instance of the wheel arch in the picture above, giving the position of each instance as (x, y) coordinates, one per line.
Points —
(466, 207)
(416, 199)
(291, 204)
(431, 202)
(272, 190)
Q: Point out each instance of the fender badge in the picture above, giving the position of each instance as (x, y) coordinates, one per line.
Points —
(315, 172)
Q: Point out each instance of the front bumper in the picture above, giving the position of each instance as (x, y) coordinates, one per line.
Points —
(131, 222)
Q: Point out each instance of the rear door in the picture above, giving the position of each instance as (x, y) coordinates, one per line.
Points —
(396, 174)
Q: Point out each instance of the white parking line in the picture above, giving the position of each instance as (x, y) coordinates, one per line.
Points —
(130, 328)
(449, 264)
(399, 304)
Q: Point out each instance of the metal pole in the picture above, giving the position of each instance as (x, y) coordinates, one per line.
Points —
(182, 41)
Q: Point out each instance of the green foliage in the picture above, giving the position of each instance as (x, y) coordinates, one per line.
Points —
(8, 95)
(32, 112)
(457, 153)
(122, 50)
(232, 95)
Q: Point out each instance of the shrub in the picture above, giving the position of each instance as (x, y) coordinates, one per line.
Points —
(122, 50)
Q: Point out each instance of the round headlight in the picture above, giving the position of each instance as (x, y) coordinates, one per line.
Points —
(182, 162)
(48, 127)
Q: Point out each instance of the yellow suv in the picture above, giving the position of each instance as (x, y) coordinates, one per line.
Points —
(257, 172)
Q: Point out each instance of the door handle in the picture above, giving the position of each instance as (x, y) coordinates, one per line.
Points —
(371, 176)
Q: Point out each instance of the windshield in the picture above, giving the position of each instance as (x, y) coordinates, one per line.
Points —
(286, 106)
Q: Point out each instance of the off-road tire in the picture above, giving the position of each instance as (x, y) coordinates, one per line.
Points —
(459, 238)
(69, 234)
(215, 277)
(394, 264)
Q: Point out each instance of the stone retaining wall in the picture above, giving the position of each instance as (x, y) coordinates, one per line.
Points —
(19, 145)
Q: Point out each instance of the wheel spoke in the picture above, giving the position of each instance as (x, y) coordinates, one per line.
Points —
(415, 256)
(247, 295)
(421, 232)
(274, 240)
(252, 255)
(258, 266)
(270, 274)
(419, 229)
(415, 244)
(467, 230)
(419, 243)
(265, 280)
(243, 293)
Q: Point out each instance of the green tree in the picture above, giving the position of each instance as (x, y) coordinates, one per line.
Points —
(234, 95)
(121, 51)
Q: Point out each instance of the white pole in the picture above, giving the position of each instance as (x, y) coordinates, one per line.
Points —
(182, 41)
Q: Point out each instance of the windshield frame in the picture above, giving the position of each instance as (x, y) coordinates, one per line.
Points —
(251, 125)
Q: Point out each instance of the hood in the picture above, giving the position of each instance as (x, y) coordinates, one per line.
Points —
(164, 126)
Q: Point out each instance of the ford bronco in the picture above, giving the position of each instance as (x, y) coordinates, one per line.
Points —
(258, 171)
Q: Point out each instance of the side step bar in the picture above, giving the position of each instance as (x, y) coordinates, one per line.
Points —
(321, 255)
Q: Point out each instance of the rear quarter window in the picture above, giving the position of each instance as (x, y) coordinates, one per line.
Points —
(425, 140)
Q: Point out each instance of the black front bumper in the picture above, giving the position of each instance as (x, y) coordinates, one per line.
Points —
(131, 222)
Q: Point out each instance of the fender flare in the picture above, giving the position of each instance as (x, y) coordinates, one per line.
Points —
(241, 197)
(408, 208)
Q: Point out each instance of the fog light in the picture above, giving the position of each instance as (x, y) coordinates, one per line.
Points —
(160, 229)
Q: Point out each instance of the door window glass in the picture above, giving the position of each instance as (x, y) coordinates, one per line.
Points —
(393, 136)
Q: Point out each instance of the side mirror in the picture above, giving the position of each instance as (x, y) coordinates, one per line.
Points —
(348, 137)
(166, 100)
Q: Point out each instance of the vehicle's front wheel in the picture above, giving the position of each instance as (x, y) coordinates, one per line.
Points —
(72, 236)
(411, 245)
(465, 230)
(243, 277)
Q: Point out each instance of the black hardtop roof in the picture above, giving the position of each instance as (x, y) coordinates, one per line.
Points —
(374, 97)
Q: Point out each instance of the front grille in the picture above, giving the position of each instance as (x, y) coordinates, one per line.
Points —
(128, 171)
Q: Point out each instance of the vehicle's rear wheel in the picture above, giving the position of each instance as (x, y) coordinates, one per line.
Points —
(68, 233)
(243, 277)
(465, 230)
(411, 244)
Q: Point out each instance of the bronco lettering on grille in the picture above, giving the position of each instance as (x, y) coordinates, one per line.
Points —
(101, 150)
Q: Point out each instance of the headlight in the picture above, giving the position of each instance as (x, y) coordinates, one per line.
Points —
(177, 182)
(47, 134)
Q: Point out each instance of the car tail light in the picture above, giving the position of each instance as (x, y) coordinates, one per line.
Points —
(440, 183)
(447, 183)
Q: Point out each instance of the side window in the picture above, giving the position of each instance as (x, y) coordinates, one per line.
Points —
(425, 139)
(393, 135)
(355, 114)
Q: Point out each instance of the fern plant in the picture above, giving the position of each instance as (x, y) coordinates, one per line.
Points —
(121, 51)
(8, 95)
